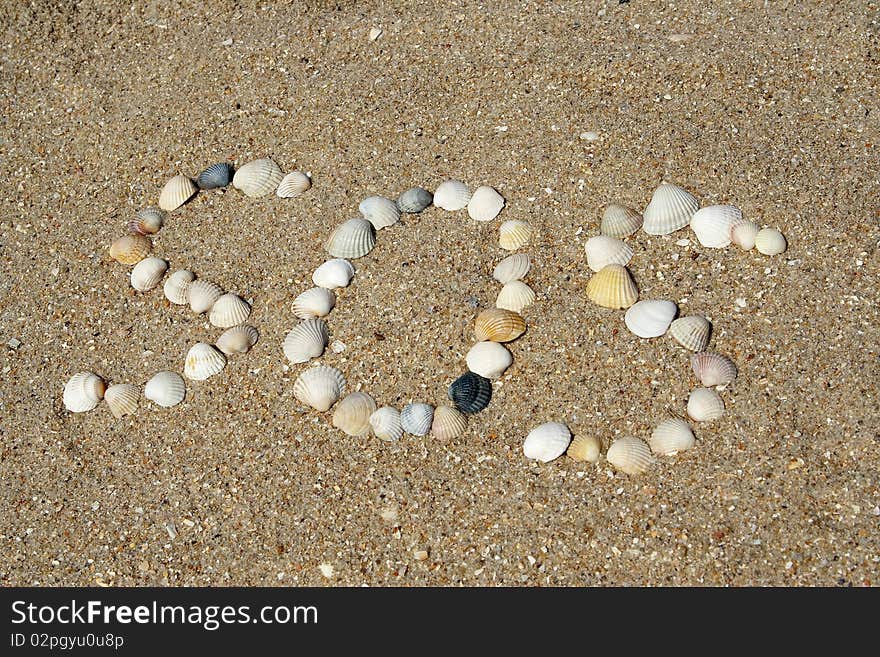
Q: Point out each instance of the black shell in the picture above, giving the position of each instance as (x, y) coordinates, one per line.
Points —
(414, 200)
(216, 175)
(471, 393)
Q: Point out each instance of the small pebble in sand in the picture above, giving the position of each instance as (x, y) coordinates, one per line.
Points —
(375, 33)
(14, 343)
(326, 570)
(590, 136)
(420, 555)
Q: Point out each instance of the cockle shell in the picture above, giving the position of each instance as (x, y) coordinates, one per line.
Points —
(293, 184)
(229, 310)
(671, 208)
(612, 287)
(380, 211)
(691, 332)
(584, 448)
(306, 340)
(314, 302)
(485, 204)
(650, 318)
(671, 436)
(488, 359)
(514, 234)
(333, 273)
(176, 192)
(202, 361)
(770, 241)
(385, 422)
(712, 224)
(619, 221)
(515, 296)
(122, 399)
(448, 423)
(83, 392)
(547, 442)
(147, 221)
(630, 455)
(202, 294)
(499, 325)
(215, 176)
(602, 250)
(705, 405)
(258, 178)
(414, 200)
(470, 393)
(352, 414)
(319, 386)
(166, 389)
(131, 249)
(512, 268)
(743, 233)
(713, 369)
(353, 239)
(238, 339)
(177, 286)
(452, 195)
(416, 418)
(146, 274)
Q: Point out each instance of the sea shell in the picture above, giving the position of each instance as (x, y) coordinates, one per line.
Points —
(122, 399)
(603, 250)
(306, 340)
(547, 442)
(202, 294)
(512, 268)
(671, 208)
(293, 184)
(352, 414)
(353, 239)
(514, 234)
(448, 423)
(691, 332)
(452, 195)
(380, 211)
(743, 233)
(704, 405)
(416, 418)
(258, 178)
(584, 448)
(485, 204)
(713, 369)
(630, 455)
(229, 310)
(202, 361)
(470, 393)
(386, 424)
(770, 241)
(619, 221)
(488, 359)
(414, 200)
(176, 192)
(83, 392)
(650, 318)
(671, 436)
(165, 388)
(499, 325)
(238, 339)
(319, 386)
(712, 224)
(612, 288)
(177, 286)
(215, 176)
(131, 249)
(515, 296)
(146, 274)
(333, 273)
(314, 302)
(147, 221)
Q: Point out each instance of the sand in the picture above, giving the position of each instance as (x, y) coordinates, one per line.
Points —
(770, 106)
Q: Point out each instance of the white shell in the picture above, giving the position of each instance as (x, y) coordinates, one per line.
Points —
(603, 250)
(547, 442)
(293, 184)
(488, 359)
(514, 234)
(258, 178)
(386, 424)
(202, 361)
(353, 239)
(202, 294)
(319, 387)
(515, 296)
(229, 310)
(166, 389)
(770, 241)
(452, 195)
(146, 274)
(147, 221)
(691, 332)
(238, 339)
(671, 436)
(416, 418)
(705, 405)
(122, 399)
(743, 233)
(333, 273)
(485, 204)
(314, 302)
(176, 192)
(306, 340)
(630, 455)
(83, 392)
(620, 221)
(650, 318)
(380, 211)
(352, 414)
(713, 369)
(177, 285)
(512, 268)
(712, 224)
(671, 208)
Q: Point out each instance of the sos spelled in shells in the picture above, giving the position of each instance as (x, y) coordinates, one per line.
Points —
(499, 325)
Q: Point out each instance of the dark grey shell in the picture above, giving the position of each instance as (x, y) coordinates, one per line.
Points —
(470, 393)
(216, 175)
(414, 200)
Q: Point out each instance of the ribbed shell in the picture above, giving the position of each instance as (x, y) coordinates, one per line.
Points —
(215, 176)
(146, 274)
(448, 423)
(319, 387)
(229, 310)
(122, 399)
(770, 241)
(671, 436)
(499, 325)
(671, 208)
(414, 200)
(512, 268)
(612, 288)
(131, 249)
(147, 221)
(202, 295)
(238, 339)
(470, 393)
(514, 234)
(743, 233)
(333, 274)
(166, 389)
(705, 405)
(712, 225)
(293, 184)
(515, 296)
(352, 414)
(385, 422)
(177, 286)
(416, 418)
(353, 239)
(452, 195)
(650, 318)
(379, 211)
(306, 340)
(203, 361)
(83, 392)
(547, 442)
(630, 455)
(176, 192)
(603, 250)
(619, 221)
(314, 302)
(488, 359)
(258, 178)
(485, 204)
(691, 332)
(584, 448)
(713, 369)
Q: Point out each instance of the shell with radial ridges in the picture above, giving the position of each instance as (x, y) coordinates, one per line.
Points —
(670, 209)
(379, 211)
(630, 455)
(512, 268)
(416, 418)
(83, 391)
(612, 287)
(165, 388)
(352, 414)
(176, 192)
(485, 204)
(146, 274)
(319, 387)
(306, 340)
(452, 195)
(238, 339)
(258, 178)
(177, 285)
(203, 361)
(293, 184)
(333, 274)
(122, 399)
(671, 436)
(354, 238)
(547, 442)
(385, 422)
(650, 318)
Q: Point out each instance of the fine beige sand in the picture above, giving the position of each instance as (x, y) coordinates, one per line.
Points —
(771, 106)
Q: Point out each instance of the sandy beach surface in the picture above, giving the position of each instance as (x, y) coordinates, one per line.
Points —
(771, 106)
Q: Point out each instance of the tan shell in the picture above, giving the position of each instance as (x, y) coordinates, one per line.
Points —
(352, 414)
(512, 268)
(612, 288)
(584, 448)
(258, 178)
(122, 399)
(293, 184)
(176, 192)
(630, 455)
(620, 221)
(691, 332)
(229, 310)
(238, 340)
(515, 296)
(202, 294)
(514, 234)
(131, 249)
(448, 423)
(499, 325)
